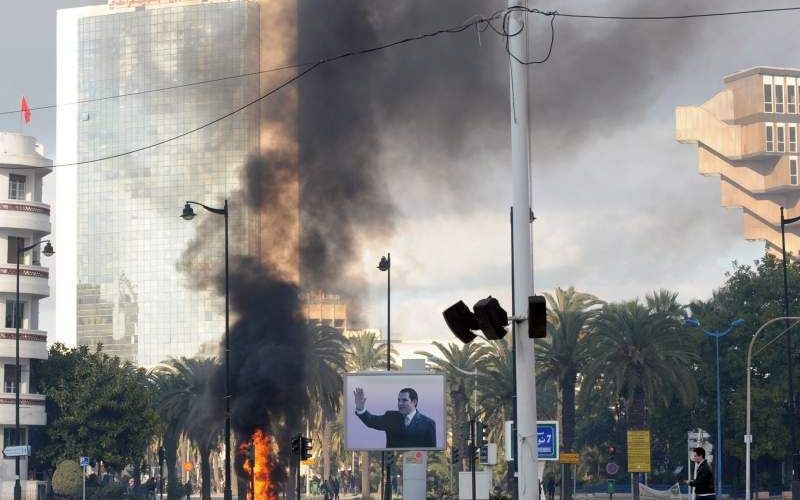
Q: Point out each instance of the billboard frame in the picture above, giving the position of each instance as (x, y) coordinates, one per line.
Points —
(347, 393)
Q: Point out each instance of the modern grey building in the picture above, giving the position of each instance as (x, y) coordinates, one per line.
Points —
(123, 270)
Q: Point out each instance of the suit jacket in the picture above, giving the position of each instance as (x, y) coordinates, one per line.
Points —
(703, 480)
(420, 433)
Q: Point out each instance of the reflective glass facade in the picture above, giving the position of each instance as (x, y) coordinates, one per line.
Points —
(131, 297)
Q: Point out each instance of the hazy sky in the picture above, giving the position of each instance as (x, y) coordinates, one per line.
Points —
(621, 208)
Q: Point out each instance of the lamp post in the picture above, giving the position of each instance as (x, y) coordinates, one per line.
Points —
(748, 438)
(386, 265)
(188, 214)
(717, 335)
(48, 251)
(792, 409)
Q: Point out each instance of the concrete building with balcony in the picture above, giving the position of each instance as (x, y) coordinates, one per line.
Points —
(747, 135)
(24, 220)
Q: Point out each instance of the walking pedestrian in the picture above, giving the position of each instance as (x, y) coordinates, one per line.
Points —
(703, 482)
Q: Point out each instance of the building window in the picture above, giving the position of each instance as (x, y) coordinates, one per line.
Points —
(793, 138)
(9, 378)
(10, 307)
(16, 187)
(767, 97)
(14, 243)
(781, 137)
(793, 171)
(778, 98)
(791, 104)
(10, 437)
(769, 133)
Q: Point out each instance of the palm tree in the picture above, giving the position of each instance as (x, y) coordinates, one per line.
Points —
(455, 361)
(640, 357)
(563, 354)
(170, 404)
(365, 353)
(496, 393)
(325, 364)
(205, 421)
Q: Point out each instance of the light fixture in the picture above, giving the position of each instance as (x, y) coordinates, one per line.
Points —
(188, 213)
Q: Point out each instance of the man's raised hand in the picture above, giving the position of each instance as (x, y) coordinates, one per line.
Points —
(361, 401)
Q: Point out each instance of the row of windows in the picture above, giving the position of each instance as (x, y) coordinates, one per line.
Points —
(779, 91)
(776, 137)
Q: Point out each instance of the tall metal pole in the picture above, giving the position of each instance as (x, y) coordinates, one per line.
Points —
(515, 462)
(472, 450)
(385, 264)
(719, 427)
(527, 449)
(790, 360)
(17, 486)
(748, 437)
(228, 493)
(387, 488)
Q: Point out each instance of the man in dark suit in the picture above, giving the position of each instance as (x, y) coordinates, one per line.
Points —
(406, 427)
(703, 482)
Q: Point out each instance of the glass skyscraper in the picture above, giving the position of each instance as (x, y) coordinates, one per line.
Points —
(129, 237)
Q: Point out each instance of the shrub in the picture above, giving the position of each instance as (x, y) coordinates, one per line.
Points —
(67, 479)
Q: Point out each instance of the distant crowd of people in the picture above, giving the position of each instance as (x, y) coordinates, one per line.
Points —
(330, 488)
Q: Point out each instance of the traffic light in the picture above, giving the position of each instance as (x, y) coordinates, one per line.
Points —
(612, 453)
(484, 454)
(467, 431)
(537, 317)
(480, 434)
(389, 459)
(492, 319)
(456, 455)
(296, 444)
(305, 448)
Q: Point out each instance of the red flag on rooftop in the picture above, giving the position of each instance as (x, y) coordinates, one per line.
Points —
(25, 109)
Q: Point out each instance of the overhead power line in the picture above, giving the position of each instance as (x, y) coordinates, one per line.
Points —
(480, 24)
(682, 16)
(483, 21)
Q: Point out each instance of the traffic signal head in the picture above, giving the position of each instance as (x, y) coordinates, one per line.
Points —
(296, 444)
(305, 448)
(537, 317)
(492, 319)
(484, 454)
(480, 434)
(612, 453)
(389, 459)
(456, 455)
(461, 321)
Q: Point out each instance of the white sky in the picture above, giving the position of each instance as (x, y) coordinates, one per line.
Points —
(621, 210)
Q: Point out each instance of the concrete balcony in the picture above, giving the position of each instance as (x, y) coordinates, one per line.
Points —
(31, 409)
(32, 343)
(735, 142)
(30, 215)
(33, 280)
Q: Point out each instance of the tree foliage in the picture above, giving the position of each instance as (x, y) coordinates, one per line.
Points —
(97, 406)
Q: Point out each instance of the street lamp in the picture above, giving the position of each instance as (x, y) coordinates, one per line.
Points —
(695, 323)
(748, 438)
(188, 214)
(792, 430)
(48, 251)
(386, 265)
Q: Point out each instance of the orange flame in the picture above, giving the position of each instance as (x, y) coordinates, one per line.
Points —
(262, 488)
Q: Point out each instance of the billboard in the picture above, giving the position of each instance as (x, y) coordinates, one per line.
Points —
(394, 411)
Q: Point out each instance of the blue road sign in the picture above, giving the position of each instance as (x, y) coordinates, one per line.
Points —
(84, 461)
(547, 439)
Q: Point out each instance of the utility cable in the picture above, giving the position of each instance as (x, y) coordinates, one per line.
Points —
(455, 29)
